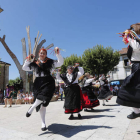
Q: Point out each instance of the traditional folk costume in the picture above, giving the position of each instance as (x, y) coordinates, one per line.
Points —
(129, 93)
(72, 91)
(44, 84)
(90, 100)
(105, 92)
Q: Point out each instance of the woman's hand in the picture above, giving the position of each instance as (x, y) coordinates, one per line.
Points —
(56, 49)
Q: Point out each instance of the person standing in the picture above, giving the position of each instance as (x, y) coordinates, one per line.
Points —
(129, 93)
(72, 91)
(44, 84)
(61, 93)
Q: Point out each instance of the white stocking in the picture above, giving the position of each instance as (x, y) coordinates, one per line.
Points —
(36, 103)
(136, 110)
(42, 114)
(103, 101)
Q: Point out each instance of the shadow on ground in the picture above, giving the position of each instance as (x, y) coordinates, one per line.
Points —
(138, 132)
(98, 110)
(113, 105)
(69, 130)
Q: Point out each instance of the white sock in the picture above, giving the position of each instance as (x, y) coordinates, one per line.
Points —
(42, 114)
(36, 103)
(136, 110)
(103, 101)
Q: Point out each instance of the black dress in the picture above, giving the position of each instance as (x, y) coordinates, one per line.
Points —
(129, 93)
(105, 92)
(73, 95)
(43, 87)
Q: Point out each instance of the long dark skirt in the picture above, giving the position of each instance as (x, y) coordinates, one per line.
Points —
(90, 100)
(129, 94)
(73, 99)
(105, 93)
(43, 89)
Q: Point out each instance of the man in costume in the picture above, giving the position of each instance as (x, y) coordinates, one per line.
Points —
(129, 93)
(44, 84)
(72, 91)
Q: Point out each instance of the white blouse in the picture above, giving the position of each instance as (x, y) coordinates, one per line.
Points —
(136, 49)
(59, 63)
(69, 76)
(88, 81)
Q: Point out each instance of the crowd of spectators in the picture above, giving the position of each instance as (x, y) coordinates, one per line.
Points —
(16, 97)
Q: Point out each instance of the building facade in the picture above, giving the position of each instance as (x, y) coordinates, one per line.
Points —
(123, 69)
(4, 76)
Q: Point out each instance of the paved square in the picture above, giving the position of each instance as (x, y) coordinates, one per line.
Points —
(104, 123)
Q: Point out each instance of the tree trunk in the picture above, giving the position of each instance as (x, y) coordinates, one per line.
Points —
(21, 72)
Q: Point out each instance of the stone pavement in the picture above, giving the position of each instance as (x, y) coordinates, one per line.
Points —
(104, 123)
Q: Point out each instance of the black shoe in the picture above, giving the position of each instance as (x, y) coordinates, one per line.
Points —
(103, 104)
(85, 110)
(92, 109)
(106, 100)
(44, 128)
(71, 117)
(79, 116)
(133, 115)
(28, 115)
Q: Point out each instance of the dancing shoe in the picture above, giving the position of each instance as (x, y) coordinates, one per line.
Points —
(92, 109)
(44, 128)
(85, 109)
(27, 114)
(79, 116)
(71, 117)
(133, 115)
(106, 100)
(103, 104)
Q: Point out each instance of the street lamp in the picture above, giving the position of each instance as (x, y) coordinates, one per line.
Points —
(1, 9)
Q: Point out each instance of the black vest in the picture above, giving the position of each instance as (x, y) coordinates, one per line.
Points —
(65, 79)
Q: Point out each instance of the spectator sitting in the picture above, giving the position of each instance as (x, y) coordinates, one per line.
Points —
(30, 98)
(9, 99)
(23, 97)
(26, 99)
(18, 97)
(14, 95)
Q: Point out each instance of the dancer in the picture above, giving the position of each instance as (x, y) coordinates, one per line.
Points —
(90, 100)
(129, 93)
(44, 84)
(72, 91)
(105, 92)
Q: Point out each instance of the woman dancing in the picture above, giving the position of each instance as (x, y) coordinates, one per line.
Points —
(72, 91)
(90, 100)
(104, 93)
(44, 84)
(129, 93)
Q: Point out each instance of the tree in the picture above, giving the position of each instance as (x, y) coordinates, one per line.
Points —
(71, 60)
(100, 60)
(37, 46)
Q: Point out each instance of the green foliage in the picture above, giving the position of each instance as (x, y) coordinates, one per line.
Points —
(100, 60)
(15, 81)
(71, 61)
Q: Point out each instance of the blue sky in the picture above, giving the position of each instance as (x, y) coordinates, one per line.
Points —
(73, 25)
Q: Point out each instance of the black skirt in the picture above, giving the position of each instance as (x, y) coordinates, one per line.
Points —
(104, 93)
(72, 97)
(90, 93)
(44, 88)
(129, 94)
